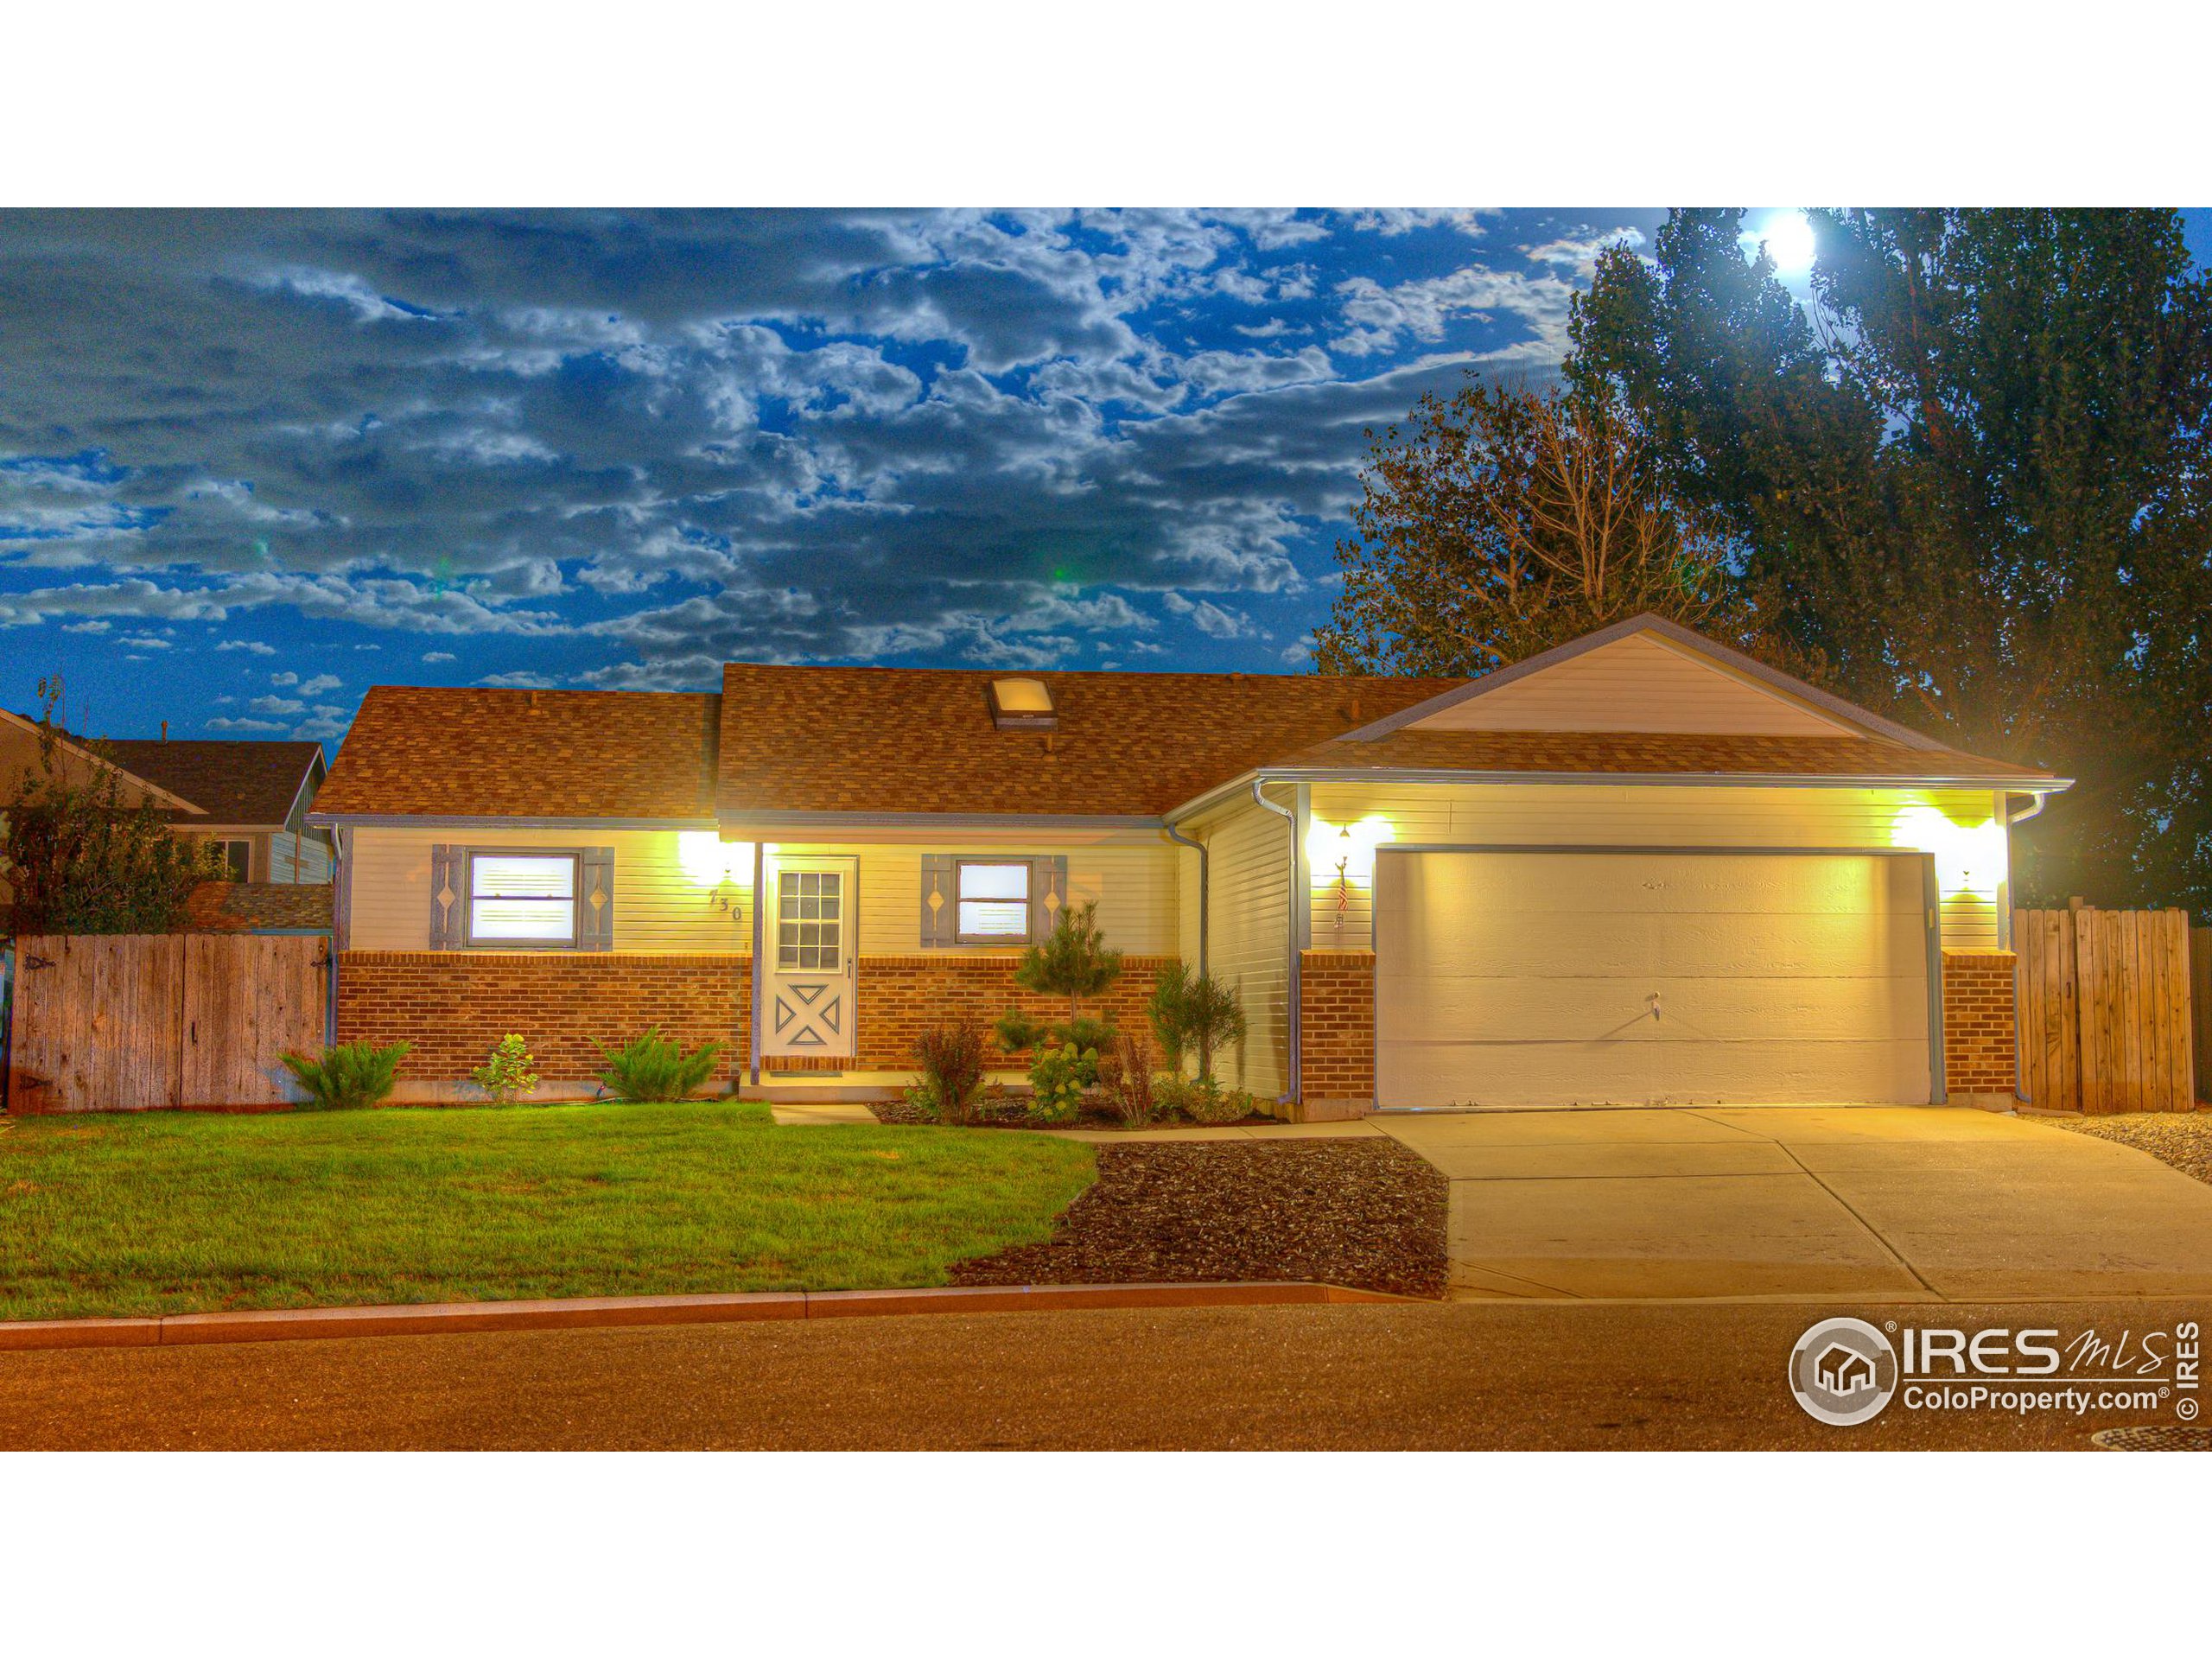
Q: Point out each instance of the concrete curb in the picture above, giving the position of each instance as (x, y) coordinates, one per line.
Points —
(589, 1312)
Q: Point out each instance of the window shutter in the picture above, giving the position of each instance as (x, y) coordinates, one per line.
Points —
(595, 899)
(940, 910)
(1048, 896)
(448, 896)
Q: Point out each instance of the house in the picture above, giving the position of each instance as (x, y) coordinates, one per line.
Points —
(1639, 868)
(76, 761)
(250, 795)
(1844, 1370)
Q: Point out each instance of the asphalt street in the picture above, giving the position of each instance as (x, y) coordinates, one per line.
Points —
(1455, 1376)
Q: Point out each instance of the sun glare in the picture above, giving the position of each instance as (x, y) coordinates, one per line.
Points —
(1788, 239)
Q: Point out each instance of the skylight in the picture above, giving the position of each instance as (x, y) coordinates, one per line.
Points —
(1023, 706)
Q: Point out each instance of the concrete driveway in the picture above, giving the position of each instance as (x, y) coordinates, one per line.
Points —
(1907, 1204)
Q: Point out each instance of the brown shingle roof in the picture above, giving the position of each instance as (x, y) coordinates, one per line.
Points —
(902, 740)
(233, 782)
(241, 907)
(1657, 752)
(467, 752)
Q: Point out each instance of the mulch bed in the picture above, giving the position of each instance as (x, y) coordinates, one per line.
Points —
(1363, 1212)
(2182, 1138)
(1012, 1113)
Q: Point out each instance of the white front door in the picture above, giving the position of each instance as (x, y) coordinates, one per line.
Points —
(809, 994)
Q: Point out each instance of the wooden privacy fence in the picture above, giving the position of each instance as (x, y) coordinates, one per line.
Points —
(2105, 1010)
(123, 1022)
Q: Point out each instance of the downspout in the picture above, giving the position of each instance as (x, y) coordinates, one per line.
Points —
(1292, 1091)
(2036, 804)
(759, 868)
(1204, 879)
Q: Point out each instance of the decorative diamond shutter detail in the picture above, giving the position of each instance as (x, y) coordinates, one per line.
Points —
(595, 899)
(448, 897)
(1048, 896)
(940, 908)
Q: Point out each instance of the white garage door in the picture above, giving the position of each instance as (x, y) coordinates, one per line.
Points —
(1512, 979)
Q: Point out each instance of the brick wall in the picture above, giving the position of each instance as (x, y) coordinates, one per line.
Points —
(1978, 1022)
(1336, 1012)
(452, 1006)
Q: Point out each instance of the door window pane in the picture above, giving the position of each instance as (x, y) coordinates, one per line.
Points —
(810, 920)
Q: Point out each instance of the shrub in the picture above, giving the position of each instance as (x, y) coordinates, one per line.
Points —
(951, 1059)
(653, 1067)
(510, 1071)
(1125, 1075)
(346, 1078)
(1057, 1078)
(1202, 1100)
(79, 859)
(1017, 1030)
(1194, 1011)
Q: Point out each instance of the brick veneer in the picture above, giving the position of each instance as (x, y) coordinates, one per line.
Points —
(1336, 1014)
(1978, 1022)
(452, 1006)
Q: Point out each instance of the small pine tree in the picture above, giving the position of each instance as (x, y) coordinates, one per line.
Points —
(1075, 962)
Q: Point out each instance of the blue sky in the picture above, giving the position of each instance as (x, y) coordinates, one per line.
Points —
(252, 463)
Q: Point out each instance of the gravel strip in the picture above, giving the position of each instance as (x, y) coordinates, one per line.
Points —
(1014, 1115)
(2182, 1138)
(1366, 1213)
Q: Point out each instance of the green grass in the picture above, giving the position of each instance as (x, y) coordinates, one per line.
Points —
(181, 1212)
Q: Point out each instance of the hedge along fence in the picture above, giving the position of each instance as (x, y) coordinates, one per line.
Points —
(129, 1021)
(2106, 1012)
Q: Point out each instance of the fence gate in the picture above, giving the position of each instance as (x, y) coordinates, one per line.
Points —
(2104, 1009)
(123, 1022)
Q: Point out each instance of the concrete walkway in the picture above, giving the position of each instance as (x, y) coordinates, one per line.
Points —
(1924, 1204)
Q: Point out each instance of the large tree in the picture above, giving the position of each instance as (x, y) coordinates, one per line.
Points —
(1974, 478)
(1507, 520)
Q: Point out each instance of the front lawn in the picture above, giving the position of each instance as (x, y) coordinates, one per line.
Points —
(180, 1213)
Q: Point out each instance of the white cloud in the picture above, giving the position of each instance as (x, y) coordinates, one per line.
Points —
(277, 706)
(1208, 618)
(253, 646)
(320, 683)
(228, 723)
(1384, 319)
(438, 657)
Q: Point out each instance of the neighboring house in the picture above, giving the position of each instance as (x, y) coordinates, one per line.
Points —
(251, 795)
(75, 761)
(1640, 869)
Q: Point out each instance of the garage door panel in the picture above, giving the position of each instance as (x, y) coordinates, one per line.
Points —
(1704, 1010)
(1661, 883)
(1510, 978)
(1565, 945)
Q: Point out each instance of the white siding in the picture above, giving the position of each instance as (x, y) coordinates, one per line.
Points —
(657, 906)
(1638, 684)
(301, 858)
(1249, 939)
(1590, 815)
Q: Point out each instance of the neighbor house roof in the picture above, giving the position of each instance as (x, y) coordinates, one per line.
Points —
(232, 781)
(1651, 754)
(468, 752)
(242, 906)
(908, 739)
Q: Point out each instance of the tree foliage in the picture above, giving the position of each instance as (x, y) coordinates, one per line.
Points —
(81, 859)
(1975, 481)
(1074, 960)
(1506, 521)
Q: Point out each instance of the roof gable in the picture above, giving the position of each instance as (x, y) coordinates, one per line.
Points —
(233, 782)
(1645, 674)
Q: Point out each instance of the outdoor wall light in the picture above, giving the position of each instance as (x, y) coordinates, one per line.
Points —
(709, 861)
(1344, 853)
(1969, 858)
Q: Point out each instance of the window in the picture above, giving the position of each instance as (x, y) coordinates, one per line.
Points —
(992, 903)
(522, 898)
(1023, 706)
(238, 859)
(810, 920)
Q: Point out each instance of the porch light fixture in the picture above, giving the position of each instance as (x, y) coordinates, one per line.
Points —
(1023, 706)
(1344, 853)
(1969, 858)
(710, 861)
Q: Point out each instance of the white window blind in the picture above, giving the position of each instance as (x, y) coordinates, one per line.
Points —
(994, 901)
(525, 897)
